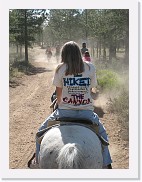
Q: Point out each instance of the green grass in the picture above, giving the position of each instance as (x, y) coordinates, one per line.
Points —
(107, 79)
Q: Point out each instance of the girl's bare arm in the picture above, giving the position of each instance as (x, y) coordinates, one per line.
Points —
(59, 94)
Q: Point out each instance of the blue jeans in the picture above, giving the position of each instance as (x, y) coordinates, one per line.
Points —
(86, 114)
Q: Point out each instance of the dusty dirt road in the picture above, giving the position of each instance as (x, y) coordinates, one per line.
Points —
(29, 102)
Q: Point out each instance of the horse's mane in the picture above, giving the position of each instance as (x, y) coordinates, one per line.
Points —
(71, 157)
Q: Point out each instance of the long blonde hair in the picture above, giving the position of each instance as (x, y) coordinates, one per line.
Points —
(71, 56)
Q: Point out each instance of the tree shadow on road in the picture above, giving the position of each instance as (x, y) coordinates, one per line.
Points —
(26, 70)
(14, 83)
(36, 70)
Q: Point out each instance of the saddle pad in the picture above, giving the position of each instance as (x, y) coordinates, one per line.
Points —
(40, 134)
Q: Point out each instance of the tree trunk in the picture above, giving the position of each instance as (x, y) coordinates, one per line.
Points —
(100, 49)
(17, 49)
(97, 49)
(42, 38)
(104, 53)
(104, 48)
(127, 48)
(112, 52)
(26, 41)
(20, 51)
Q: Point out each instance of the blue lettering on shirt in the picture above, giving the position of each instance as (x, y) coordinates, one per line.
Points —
(76, 81)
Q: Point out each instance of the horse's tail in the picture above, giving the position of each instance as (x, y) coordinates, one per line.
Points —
(71, 157)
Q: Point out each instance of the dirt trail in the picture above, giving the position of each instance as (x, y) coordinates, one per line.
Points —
(29, 106)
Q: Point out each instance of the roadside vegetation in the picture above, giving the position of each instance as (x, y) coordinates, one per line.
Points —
(18, 67)
(116, 83)
(107, 79)
(120, 106)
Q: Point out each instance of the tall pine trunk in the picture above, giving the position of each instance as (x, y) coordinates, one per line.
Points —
(26, 39)
(97, 49)
(112, 50)
(20, 51)
(100, 48)
(127, 48)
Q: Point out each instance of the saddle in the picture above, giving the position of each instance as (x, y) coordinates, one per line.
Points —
(70, 121)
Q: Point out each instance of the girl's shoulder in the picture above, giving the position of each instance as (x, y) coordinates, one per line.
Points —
(89, 64)
(60, 67)
(90, 68)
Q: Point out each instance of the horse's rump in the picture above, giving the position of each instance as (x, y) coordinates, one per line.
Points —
(70, 147)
